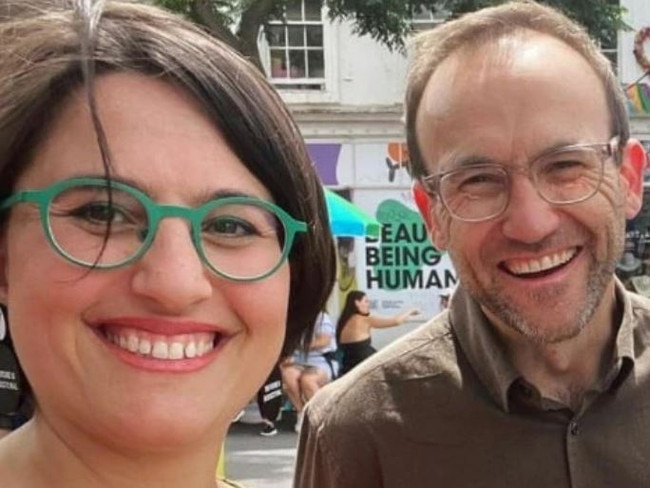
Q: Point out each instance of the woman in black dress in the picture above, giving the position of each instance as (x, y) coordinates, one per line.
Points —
(354, 327)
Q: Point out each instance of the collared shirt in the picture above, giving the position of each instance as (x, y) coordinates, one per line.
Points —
(443, 407)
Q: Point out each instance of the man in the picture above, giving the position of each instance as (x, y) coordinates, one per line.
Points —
(538, 373)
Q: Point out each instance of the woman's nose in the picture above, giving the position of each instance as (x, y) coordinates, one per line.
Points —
(528, 218)
(171, 272)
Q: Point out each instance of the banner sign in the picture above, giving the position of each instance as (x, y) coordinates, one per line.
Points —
(400, 269)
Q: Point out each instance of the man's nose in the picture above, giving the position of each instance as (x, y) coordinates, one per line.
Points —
(528, 218)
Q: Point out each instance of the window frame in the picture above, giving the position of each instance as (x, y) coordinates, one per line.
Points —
(305, 83)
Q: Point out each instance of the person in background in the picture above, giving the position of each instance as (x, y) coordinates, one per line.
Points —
(354, 327)
(311, 366)
(445, 296)
(15, 401)
(163, 241)
(269, 401)
(538, 374)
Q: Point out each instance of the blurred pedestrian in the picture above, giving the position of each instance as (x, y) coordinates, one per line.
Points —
(445, 296)
(16, 406)
(354, 327)
(311, 366)
(269, 402)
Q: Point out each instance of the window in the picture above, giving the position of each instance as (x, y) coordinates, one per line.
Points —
(609, 40)
(296, 47)
(424, 19)
(609, 48)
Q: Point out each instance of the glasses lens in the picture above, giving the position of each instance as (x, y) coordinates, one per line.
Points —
(242, 240)
(569, 176)
(94, 228)
(475, 193)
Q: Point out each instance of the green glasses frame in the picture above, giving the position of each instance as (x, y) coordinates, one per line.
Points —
(155, 213)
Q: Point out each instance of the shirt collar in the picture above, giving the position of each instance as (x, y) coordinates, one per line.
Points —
(487, 356)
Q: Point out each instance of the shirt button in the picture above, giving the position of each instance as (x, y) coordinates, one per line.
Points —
(573, 428)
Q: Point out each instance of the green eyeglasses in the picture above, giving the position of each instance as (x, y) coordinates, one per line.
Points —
(96, 223)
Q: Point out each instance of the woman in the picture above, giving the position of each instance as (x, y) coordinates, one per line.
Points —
(163, 241)
(354, 327)
(310, 367)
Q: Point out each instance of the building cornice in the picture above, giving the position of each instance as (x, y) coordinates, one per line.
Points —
(354, 122)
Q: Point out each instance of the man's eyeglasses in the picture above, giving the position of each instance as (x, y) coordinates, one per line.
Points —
(97, 223)
(564, 176)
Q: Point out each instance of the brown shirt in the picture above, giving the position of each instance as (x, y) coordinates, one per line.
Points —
(443, 407)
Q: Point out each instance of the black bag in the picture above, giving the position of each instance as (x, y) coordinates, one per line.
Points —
(332, 361)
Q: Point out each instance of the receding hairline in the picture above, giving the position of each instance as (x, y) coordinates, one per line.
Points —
(498, 51)
(489, 26)
(492, 41)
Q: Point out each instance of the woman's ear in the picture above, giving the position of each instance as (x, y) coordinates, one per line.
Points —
(632, 168)
(425, 204)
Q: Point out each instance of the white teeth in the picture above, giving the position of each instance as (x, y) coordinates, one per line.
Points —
(162, 347)
(132, 343)
(542, 264)
(145, 347)
(160, 350)
(176, 351)
(190, 350)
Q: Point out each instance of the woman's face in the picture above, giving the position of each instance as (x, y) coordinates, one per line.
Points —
(66, 320)
(363, 305)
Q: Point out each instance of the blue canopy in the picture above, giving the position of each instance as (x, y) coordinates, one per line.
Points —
(346, 219)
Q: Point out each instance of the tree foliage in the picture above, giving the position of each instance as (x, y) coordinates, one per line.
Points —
(388, 21)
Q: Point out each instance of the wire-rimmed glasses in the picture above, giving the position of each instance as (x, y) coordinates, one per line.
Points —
(563, 176)
(97, 223)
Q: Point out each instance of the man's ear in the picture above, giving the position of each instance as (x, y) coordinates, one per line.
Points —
(632, 168)
(425, 205)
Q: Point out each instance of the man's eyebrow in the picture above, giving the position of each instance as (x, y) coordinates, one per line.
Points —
(457, 162)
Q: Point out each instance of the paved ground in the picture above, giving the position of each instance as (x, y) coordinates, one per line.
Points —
(261, 462)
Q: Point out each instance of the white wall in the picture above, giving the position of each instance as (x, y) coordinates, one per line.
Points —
(369, 73)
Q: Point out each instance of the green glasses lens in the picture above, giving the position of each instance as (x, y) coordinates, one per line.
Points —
(242, 240)
(91, 225)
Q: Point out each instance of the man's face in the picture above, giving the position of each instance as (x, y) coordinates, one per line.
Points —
(541, 270)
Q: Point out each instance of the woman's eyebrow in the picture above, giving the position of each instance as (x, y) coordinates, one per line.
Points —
(204, 197)
(229, 192)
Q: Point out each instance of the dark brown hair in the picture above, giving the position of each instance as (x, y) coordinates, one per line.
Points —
(349, 309)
